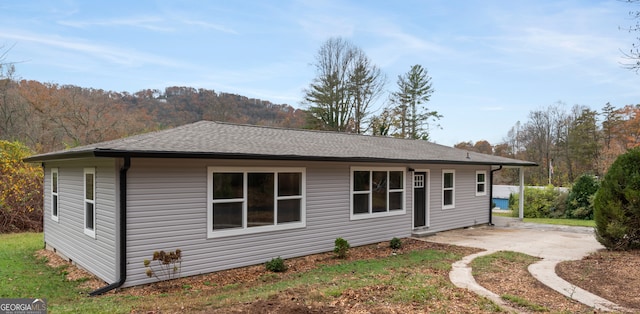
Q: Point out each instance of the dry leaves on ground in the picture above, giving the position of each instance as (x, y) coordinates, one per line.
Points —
(513, 278)
(612, 275)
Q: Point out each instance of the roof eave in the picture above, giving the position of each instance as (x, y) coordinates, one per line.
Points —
(61, 156)
(115, 153)
(209, 155)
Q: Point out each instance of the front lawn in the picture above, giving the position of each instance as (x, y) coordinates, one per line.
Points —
(415, 280)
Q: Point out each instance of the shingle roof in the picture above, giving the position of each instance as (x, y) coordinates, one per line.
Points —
(206, 139)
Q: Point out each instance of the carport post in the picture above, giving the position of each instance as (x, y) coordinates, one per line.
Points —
(521, 200)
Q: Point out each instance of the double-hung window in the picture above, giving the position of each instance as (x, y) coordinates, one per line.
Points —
(377, 192)
(90, 202)
(448, 189)
(54, 194)
(481, 183)
(251, 200)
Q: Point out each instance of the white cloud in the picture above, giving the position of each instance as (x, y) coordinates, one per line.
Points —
(217, 27)
(152, 23)
(113, 55)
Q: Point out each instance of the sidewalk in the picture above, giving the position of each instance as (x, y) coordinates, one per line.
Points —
(552, 243)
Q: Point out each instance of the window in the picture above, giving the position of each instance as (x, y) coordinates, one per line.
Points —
(481, 183)
(54, 194)
(448, 189)
(418, 181)
(377, 192)
(90, 202)
(251, 200)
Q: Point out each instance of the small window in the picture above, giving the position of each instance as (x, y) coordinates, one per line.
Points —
(481, 183)
(255, 200)
(377, 192)
(418, 181)
(54, 194)
(90, 202)
(448, 189)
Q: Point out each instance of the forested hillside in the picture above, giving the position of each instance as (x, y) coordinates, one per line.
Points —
(49, 117)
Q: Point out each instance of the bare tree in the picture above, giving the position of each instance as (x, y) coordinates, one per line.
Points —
(366, 84)
(347, 83)
(633, 55)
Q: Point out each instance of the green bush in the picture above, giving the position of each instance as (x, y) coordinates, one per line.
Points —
(276, 265)
(617, 204)
(395, 243)
(580, 200)
(559, 206)
(341, 248)
(538, 202)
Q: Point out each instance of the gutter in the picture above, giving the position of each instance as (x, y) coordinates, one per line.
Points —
(491, 194)
(123, 232)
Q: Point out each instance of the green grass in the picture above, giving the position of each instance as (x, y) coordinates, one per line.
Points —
(553, 221)
(565, 222)
(412, 278)
(524, 303)
(22, 275)
(487, 263)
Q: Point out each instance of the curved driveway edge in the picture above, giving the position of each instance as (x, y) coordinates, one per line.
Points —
(545, 272)
(551, 243)
(461, 276)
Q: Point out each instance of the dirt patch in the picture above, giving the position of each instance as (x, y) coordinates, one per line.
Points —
(614, 276)
(512, 278)
(72, 272)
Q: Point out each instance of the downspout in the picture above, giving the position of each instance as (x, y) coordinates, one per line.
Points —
(123, 232)
(491, 194)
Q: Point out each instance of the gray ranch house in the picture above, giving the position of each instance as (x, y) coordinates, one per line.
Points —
(232, 195)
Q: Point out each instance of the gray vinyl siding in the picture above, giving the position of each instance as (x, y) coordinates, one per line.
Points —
(66, 235)
(167, 210)
(469, 209)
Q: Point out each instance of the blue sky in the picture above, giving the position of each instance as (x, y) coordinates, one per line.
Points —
(491, 62)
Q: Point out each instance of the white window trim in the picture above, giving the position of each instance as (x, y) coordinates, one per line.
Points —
(89, 232)
(402, 211)
(55, 195)
(453, 189)
(246, 230)
(481, 182)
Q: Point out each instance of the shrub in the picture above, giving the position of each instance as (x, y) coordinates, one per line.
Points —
(21, 196)
(167, 265)
(395, 243)
(538, 202)
(580, 200)
(559, 206)
(617, 204)
(341, 248)
(276, 265)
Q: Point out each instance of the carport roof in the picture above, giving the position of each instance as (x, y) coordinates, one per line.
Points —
(207, 139)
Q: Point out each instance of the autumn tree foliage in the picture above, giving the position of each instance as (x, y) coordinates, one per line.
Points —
(48, 117)
(21, 196)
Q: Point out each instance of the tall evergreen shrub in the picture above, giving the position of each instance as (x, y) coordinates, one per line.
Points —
(580, 201)
(617, 204)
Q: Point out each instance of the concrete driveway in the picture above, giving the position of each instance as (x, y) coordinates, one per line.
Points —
(551, 243)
